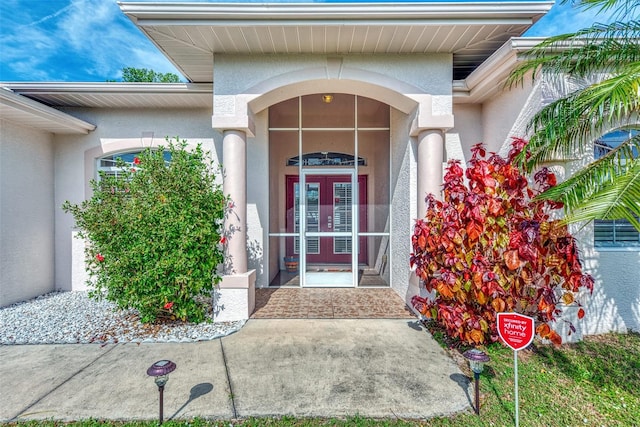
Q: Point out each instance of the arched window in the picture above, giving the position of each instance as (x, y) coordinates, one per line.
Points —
(619, 232)
(108, 165)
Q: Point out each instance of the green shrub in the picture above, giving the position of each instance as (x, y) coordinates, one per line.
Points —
(155, 234)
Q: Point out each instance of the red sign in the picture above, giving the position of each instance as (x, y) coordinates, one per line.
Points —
(516, 330)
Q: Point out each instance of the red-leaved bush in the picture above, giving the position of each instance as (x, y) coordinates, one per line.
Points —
(489, 247)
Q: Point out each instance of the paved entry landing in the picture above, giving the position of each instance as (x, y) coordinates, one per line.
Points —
(330, 303)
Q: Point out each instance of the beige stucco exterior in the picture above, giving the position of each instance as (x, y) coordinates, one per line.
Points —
(26, 213)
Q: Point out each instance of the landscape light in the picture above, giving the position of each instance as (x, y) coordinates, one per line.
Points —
(160, 371)
(477, 359)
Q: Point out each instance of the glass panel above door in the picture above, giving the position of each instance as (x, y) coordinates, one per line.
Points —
(284, 114)
(372, 113)
(320, 111)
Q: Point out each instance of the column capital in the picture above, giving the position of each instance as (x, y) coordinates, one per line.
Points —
(232, 112)
(243, 124)
(426, 120)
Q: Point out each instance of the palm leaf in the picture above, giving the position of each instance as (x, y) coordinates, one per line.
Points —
(624, 7)
(596, 49)
(585, 183)
(568, 126)
(616, 199)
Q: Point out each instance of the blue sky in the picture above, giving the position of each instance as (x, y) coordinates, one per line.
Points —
(92, 40)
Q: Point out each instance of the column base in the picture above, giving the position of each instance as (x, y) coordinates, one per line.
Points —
(79, 274)
(234, 298)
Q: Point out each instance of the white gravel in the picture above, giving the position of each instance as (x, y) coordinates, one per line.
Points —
(74, 318)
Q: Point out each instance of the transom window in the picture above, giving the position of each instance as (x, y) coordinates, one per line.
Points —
(619, 232)
(325, 158)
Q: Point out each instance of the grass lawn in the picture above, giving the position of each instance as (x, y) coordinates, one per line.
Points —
(593, 383)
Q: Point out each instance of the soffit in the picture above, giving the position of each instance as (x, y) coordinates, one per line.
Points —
(117, 95)
(189, 34)
(29, 113)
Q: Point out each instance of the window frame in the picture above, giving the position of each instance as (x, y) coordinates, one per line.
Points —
(614, 224)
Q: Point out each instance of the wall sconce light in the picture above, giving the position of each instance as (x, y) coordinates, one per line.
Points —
(160, 371)
(327, 98)
(477, 359)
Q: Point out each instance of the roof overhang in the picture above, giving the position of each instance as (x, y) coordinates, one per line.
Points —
(27, 112)
(490, 77)
(189, 34)
(117, 95)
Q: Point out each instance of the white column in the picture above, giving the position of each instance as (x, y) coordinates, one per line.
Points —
(430, 158)
(234, 152)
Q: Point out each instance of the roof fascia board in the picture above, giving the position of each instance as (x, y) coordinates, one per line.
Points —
(332, 22)
(36, 109)
(178, 13)
(108, 88)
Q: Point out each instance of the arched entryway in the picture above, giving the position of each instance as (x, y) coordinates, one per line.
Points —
(329, 164)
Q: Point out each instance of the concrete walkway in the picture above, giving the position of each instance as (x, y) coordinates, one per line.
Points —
(325, 368)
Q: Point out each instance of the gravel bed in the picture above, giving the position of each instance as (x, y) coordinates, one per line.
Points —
(74, 318)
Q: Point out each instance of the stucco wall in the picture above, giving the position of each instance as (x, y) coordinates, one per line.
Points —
(615, 302)
(117, 130)
(235, 74)
(404, 189)
(26, 213)
(468, 131)
(506, 114)
(398, 80)
(258, 199)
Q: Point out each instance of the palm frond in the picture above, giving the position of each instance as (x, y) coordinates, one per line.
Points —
(587, 182)
(623, 7)
(616, 199)
(596, 49)
(568, 126)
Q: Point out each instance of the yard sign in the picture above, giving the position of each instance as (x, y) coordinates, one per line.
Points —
(516, 331)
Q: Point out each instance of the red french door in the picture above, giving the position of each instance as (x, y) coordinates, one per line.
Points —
(329, 200)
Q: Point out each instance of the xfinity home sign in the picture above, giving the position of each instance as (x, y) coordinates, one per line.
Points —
(516, 330)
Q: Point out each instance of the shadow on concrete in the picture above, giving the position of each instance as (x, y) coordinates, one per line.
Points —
(416, 325)
(196, 391)
(464, 382)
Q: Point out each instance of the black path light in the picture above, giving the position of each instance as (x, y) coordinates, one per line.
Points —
(477, 359)
(160, 371)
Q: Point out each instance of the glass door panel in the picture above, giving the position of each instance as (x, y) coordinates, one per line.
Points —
(329, 212)
(330, 223)
(313, 218)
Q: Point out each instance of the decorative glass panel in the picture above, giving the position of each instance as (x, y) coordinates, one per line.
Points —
(342, 220)
(313, 217)
(325, 158)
